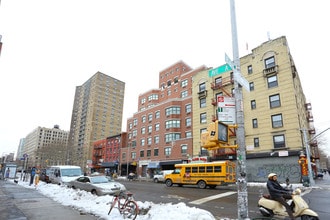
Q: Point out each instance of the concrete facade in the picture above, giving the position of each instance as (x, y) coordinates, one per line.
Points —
(97, 113)
(275, 109)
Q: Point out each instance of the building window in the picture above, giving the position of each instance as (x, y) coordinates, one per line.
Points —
(169, 92)
(249, 69)
(274, 101)
(167, 151)
(172, 124)
(202, 102)
(188, 108)
(144, 119)
(188, 122)
(143, 130)
(202, 87)
(135, 122)
(188, 134)
(156, 152)
(142, 153)
(142, 142)
(279, 141)
(133, 155)
(149, 129)
(272, 81)
(184, 94)
(134, 133)
(172, 137)
(253, 104)
(203, 118)
(148, 153)
(173, 111)
(176, 80)
(277, 121)
(169, 83)
(218, 82)
(157, 114)
(269, 62)
(143, 100)
(149, 140)
(150, 117)
(251, 86)
(133, 143)
(156, 139)
(184, 149)
(256, 142)
(254, 123)
(157, 127)
(184, 83)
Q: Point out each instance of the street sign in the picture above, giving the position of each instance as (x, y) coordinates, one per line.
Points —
(219, 70)
(237, 75)
(241, 80)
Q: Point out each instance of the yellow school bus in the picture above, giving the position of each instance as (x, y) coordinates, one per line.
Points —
(209, 174)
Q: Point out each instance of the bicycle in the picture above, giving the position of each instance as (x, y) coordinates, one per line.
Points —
(128, 208)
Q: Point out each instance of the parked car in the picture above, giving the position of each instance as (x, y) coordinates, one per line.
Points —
(98, 185)
(160, 176)
(44, 175)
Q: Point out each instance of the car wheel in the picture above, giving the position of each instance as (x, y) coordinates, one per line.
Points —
(94, 192)
(201, 184)
(168, 182)
(156, 180)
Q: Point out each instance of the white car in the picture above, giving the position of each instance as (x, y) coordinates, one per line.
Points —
(160, 176)
(98, 185)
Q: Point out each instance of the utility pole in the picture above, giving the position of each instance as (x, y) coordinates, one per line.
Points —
(242, 195)
(308, 155)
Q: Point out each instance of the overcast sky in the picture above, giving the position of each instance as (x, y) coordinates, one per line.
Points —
(50, 47)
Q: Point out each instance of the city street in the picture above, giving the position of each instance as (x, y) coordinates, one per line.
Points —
(26, 203)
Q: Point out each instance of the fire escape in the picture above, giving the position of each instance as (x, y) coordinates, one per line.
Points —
(223, 153)
(315, 155)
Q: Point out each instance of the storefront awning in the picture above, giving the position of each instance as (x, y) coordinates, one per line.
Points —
(170, 162)
(153, 165)
(108, 164)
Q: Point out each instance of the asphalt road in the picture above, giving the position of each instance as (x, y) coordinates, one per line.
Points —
(317, 197)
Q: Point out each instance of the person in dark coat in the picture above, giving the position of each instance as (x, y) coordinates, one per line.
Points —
(33, 173)
(278, 193)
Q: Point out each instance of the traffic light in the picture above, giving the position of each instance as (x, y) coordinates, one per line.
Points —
(223, 134)
(303, 164)
(216, 135)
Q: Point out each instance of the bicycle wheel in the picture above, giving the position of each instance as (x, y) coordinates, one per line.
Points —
(130, 210)
(113, 204)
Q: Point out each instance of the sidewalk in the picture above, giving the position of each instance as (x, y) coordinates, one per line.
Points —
(19, 203)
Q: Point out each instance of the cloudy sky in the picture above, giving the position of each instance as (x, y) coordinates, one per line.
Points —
(50, 47)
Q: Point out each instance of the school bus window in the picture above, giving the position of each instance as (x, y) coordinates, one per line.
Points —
(194, 170)
(217, 169)
(176, 171)
(209, 169)
(202, 169)
(188, 169)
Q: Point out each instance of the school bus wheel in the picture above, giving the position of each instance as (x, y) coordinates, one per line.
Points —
(168, 182)
(201, 184)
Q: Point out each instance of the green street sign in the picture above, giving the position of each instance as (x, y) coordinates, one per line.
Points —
(219, 70)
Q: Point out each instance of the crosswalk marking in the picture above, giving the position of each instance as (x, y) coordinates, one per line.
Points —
(206, 199)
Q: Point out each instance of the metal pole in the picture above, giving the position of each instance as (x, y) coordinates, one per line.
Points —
(127, 161)
(242, 195)
(308, 155)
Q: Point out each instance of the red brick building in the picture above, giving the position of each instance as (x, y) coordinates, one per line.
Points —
(160, 133)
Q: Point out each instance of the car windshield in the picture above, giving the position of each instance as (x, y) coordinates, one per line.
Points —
(99, 179)
(71, 172)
